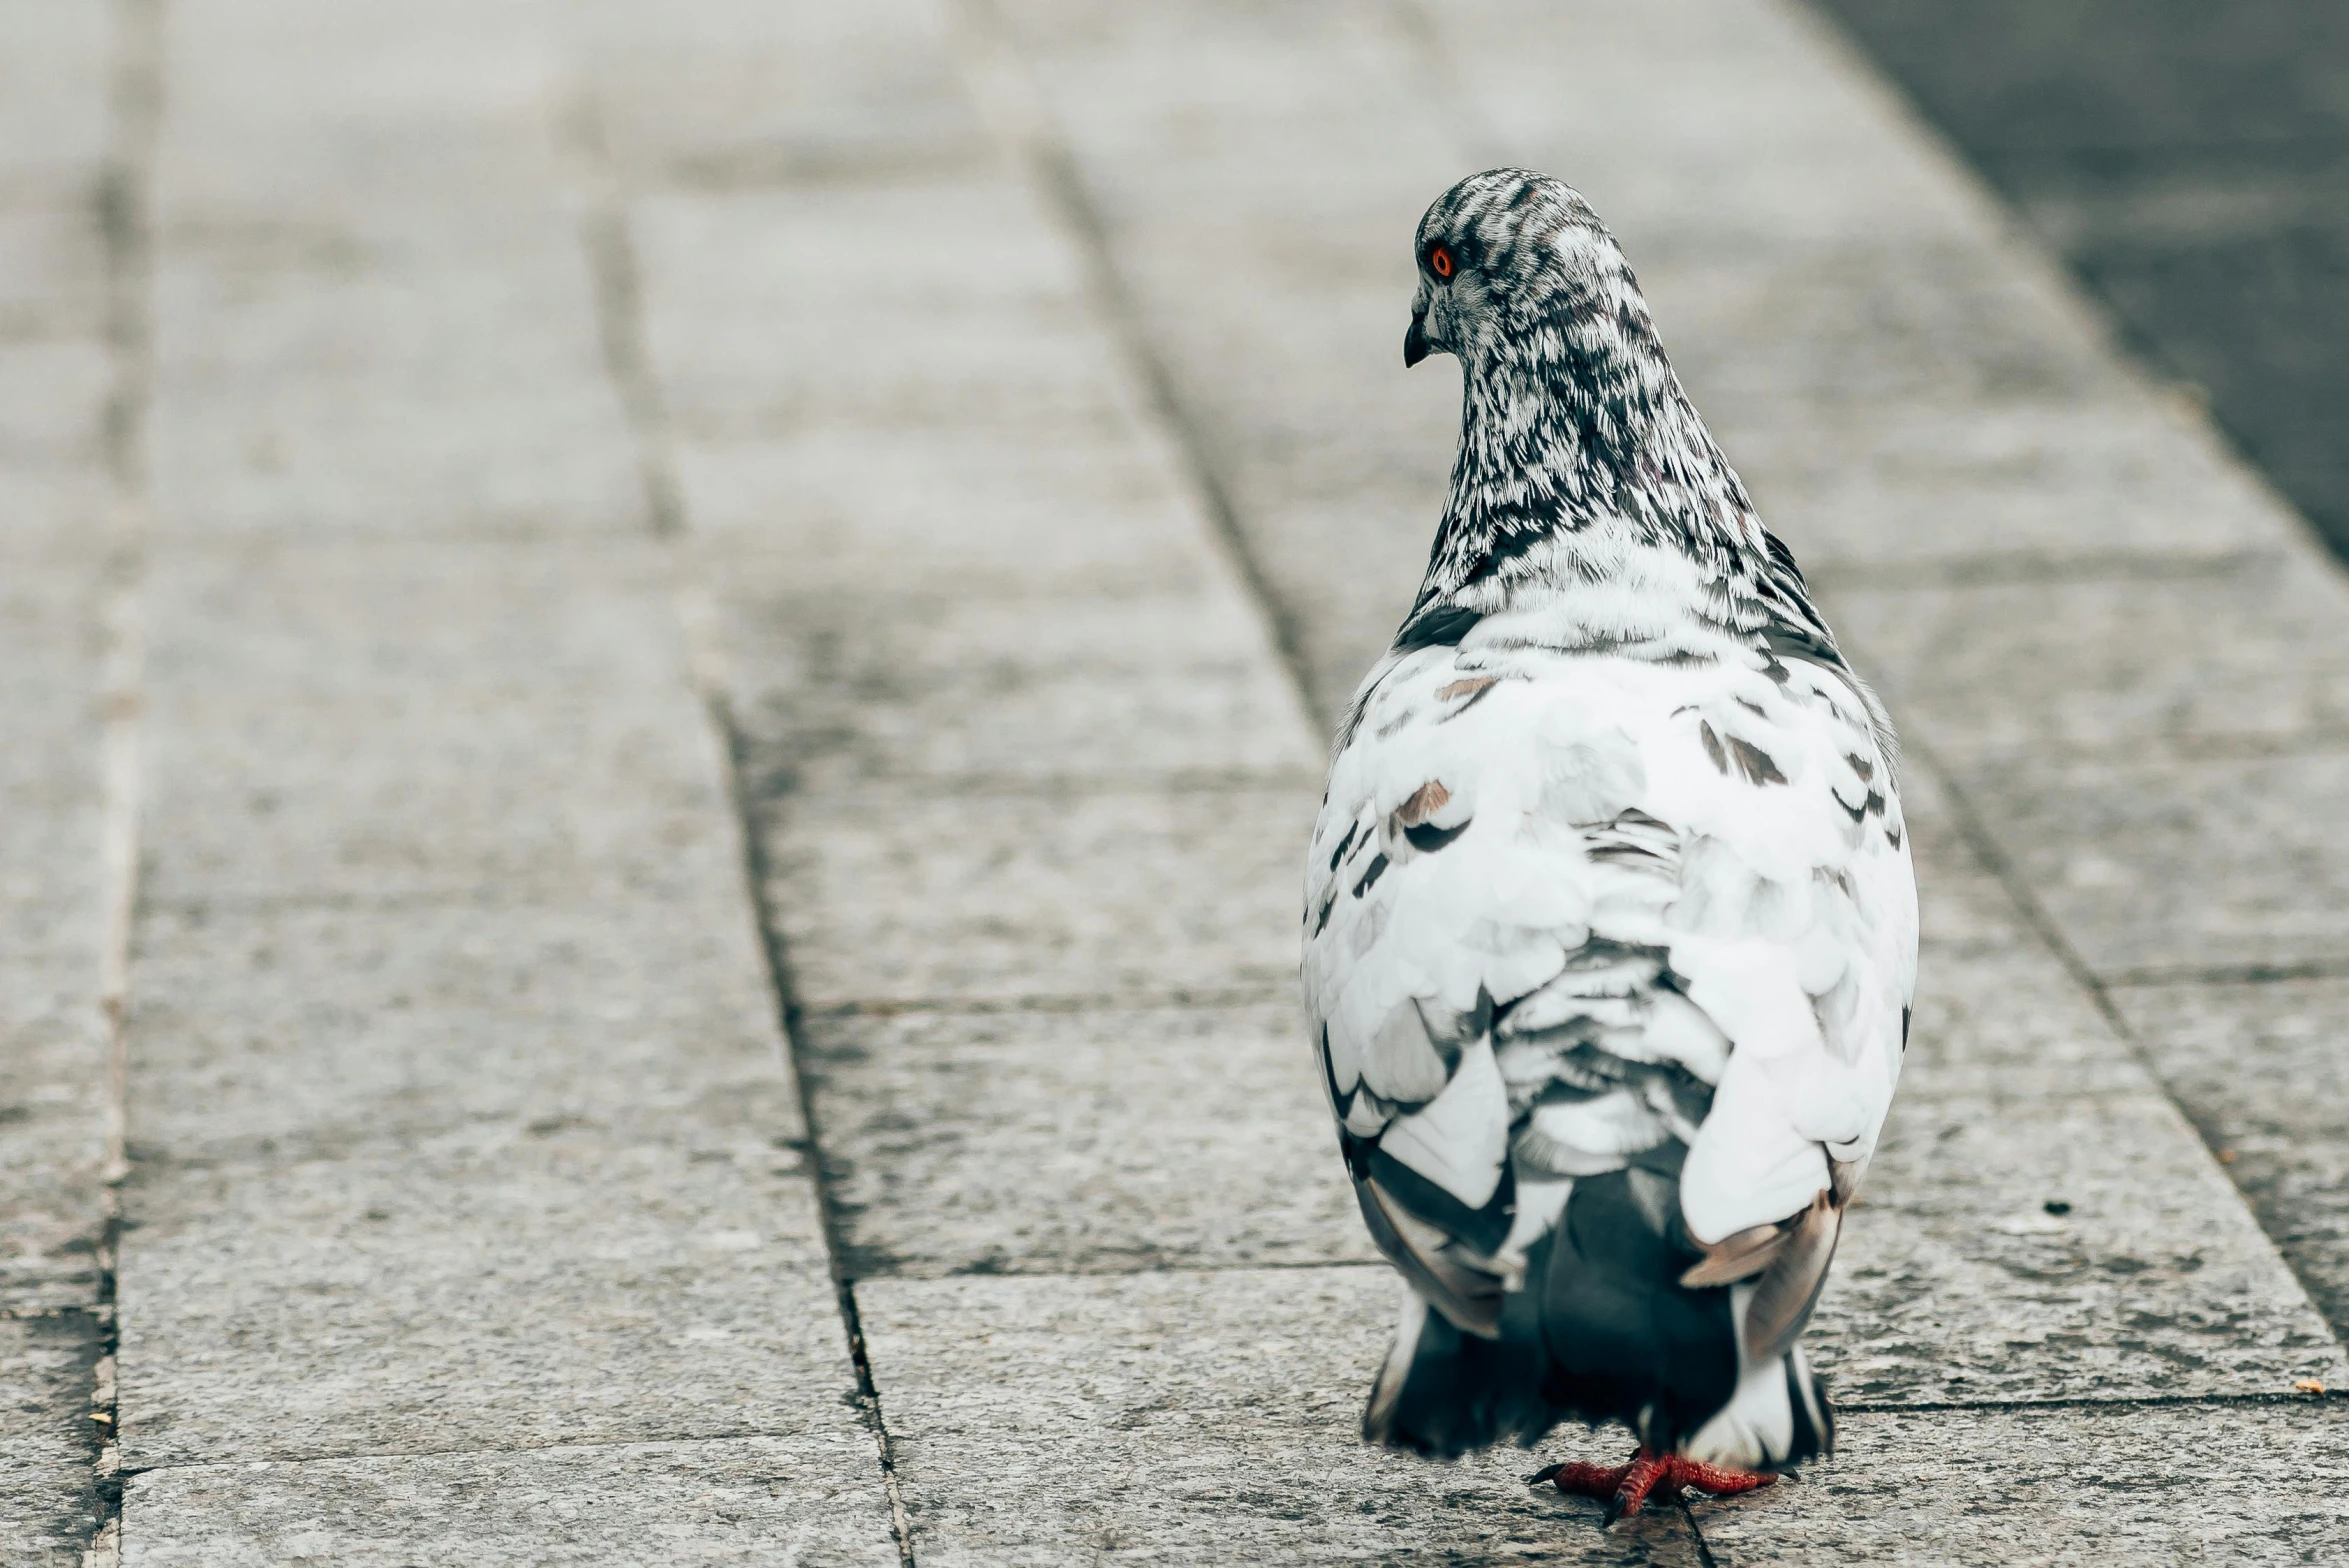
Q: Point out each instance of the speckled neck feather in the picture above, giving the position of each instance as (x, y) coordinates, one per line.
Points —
(1579, 452)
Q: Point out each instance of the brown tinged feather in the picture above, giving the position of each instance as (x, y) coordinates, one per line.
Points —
(1789, 1288)
(1739, 1256)
(1424, 803)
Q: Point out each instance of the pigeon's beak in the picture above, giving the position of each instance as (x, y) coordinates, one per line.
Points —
(1415, 344)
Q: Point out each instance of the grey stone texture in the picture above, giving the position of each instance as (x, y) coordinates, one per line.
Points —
(2040, 1223)
(542, 1283)
(790, 1502)
(49, 1503)
(2260, 1069)
(901, 896)
(1078, 1142)
(57, 375)
(469, 1183)
(1184, 1417)
(2238, 1483)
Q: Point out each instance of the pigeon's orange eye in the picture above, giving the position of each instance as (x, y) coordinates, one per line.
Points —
(1439, 261)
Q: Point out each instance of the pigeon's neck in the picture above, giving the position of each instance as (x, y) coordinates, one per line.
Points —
(1584, 469)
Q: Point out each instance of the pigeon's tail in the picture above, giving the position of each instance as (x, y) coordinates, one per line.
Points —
(1601, 1329)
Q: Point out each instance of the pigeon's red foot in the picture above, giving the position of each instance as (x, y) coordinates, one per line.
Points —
(1626, 1487)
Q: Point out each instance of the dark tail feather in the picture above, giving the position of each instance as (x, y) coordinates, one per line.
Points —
(1814, 1418)
(1601, 1330)
(1445, 1393)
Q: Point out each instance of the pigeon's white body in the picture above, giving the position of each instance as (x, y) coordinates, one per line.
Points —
(1610, 939)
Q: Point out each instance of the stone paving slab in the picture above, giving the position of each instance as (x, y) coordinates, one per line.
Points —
(496, 1285)
(304, 1031)
(371, 308)
(2067, 1246)
(1178, 1417)
(1030, 688)
(56, 376)
(895, 896)
(2252, 655)
(1103, 1140)
(828, 502)
(803, 1501)
(2261, 1070)
(461, 1118)
(731, 94)
(53, 1130)
(54, 115)
(311, 739)
(48, 1491)
(2238, 1483)
(2181, 867)
(543, 617)
(429, 796)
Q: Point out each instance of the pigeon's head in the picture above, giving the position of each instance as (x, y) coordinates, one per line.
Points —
(1512, 263)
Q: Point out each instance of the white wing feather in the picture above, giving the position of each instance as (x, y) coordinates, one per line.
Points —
(1738, 818)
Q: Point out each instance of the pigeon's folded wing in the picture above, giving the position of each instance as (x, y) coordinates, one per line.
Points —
(1565, 916)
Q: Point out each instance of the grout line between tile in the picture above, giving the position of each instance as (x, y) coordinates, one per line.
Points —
(125, 218)
(620, 316)
(1975, 829)
(1010, 102)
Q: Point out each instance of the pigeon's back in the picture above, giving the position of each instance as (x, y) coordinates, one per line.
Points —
(1610, 927)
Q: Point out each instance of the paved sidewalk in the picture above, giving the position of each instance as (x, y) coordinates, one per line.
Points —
(716, 623)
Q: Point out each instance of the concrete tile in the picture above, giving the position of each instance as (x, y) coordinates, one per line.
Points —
(407, 403)
(53, 99)
(257, 798)
(1932, 486)
(330, 617)
(889, 896)
(52, 398)
(425, 720)
(2010, 1023)
(279, 1034)
(1956, 1281)
(2259, 1069)
(795, 1502)
(834, 688)
(273, 101)
(52, 268)
(1032, 1142)
(53, 1132)
(1910, 326)
(2236, 1483)
(1960, 901)
(2179, 865)
(491, 1286)
(739, 94)
(991, 332)
(2253, 655)
(862, 512)
(1166, 1417)
(48, 1484)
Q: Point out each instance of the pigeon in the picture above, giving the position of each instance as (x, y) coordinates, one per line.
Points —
(1610, 925)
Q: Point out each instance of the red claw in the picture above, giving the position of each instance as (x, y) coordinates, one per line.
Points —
(1626, 1487)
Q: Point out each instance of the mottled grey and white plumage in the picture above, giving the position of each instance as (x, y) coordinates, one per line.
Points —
(1610, 928)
